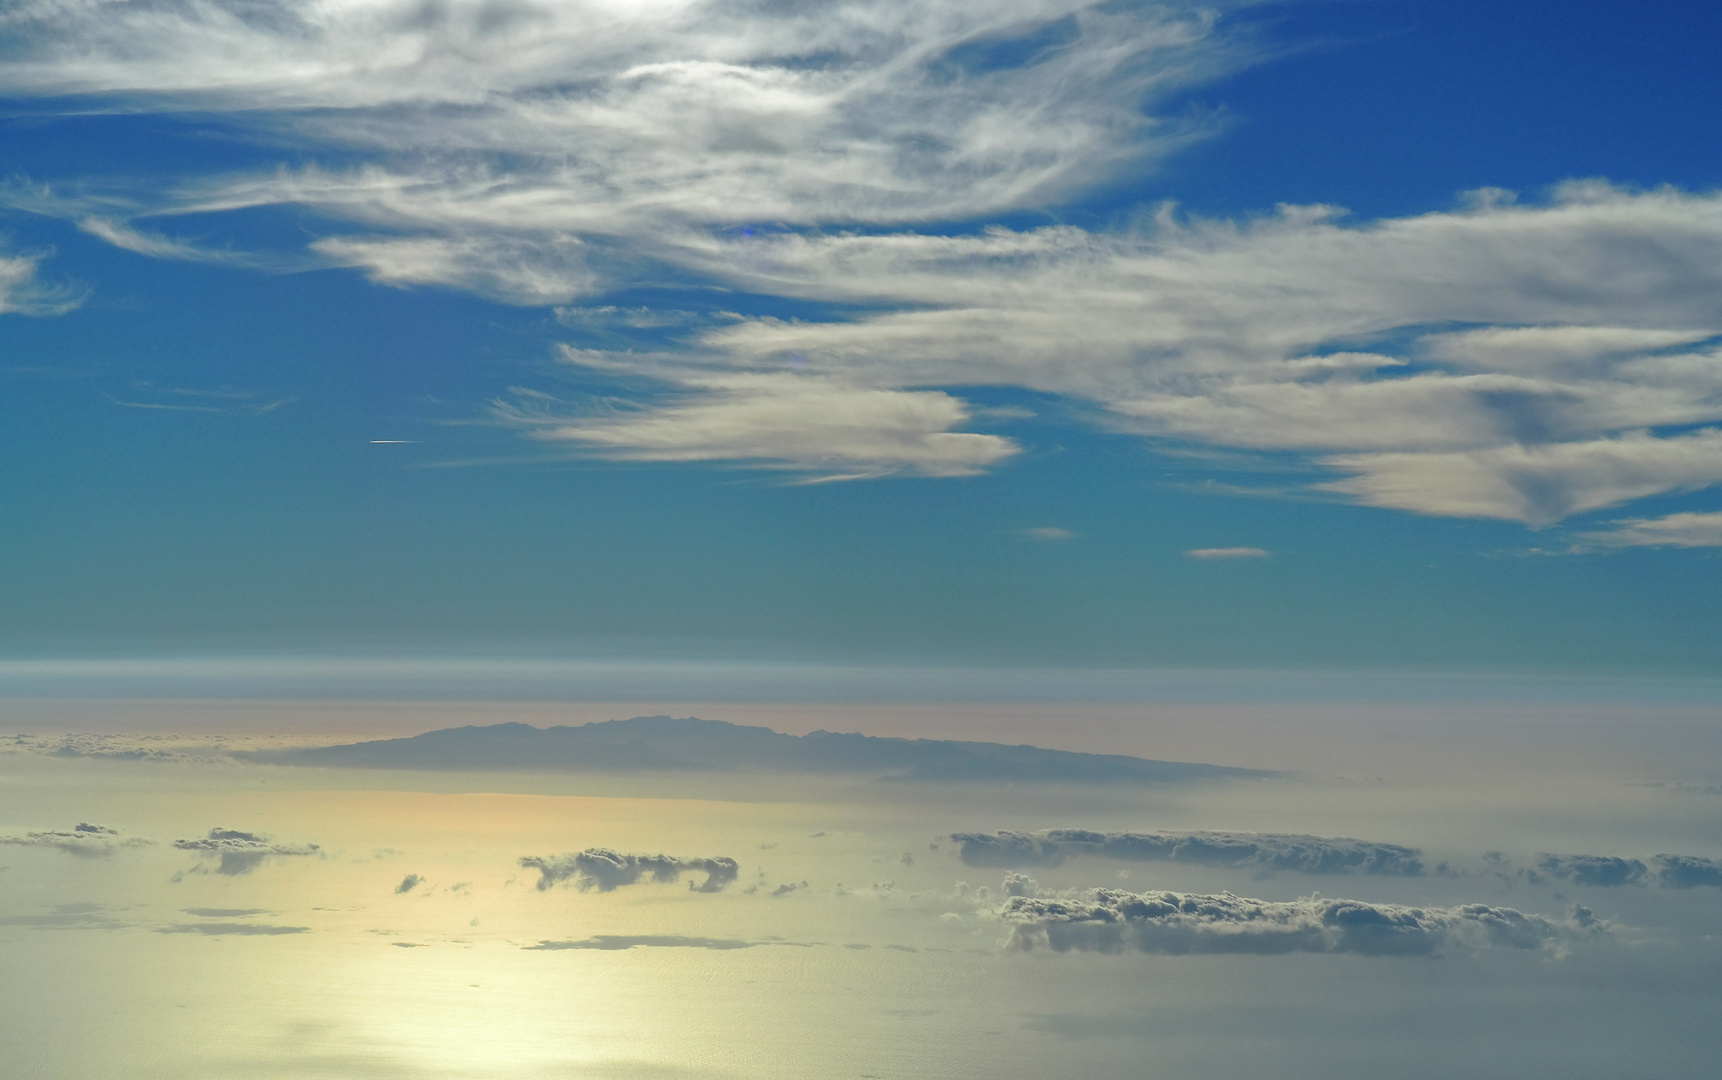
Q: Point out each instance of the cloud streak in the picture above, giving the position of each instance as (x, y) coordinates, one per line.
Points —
(232, 929)
(622, 942)
(1262, 852)
(825, 426)
(1114, 921)
(604, 870)
(1688, 530)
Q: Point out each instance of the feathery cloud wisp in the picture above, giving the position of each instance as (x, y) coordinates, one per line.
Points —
(1518, 361)
(23, 293)
(1674, 530)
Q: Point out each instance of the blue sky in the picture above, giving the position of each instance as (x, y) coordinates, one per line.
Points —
(938, 333)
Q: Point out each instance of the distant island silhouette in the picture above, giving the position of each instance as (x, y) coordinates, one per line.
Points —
(665, 743)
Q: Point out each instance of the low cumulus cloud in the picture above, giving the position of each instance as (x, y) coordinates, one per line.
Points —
(1597, 870)
(1114, 921)
(1262, 852)
(83, 840)
(408, 884)
(1608, 871)
(604, 870)
(239, 852)
(1688, 871)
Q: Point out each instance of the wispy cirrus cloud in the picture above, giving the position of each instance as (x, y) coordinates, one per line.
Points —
(23, 292)
(614, 114)
(1585, 371)
(825, 426)
(219, 402)
(1524, 362)
(1689, 530)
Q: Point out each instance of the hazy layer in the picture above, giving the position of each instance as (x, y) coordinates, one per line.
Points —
(383, 923)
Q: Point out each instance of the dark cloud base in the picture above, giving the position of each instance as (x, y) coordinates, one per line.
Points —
(83, 840)
(1607, 871)
(603, 870)
(241, 852)
(1253, 851)
(223, 929)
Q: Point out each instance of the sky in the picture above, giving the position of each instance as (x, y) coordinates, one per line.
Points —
(1322, 336)
(1329, 391)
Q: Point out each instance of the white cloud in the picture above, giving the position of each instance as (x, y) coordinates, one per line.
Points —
(1051, 533)
(1525, 361)
(1592, 360)
(23, 293)
(122, 235)
(1590, 375)
(811, 423)
(548, 270)
(1534, 484)
(1675, 530)
(1228, 553)
(613, 115)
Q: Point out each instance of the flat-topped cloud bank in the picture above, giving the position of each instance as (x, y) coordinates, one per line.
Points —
(692, 744)
(1115, 921)
(1259, 851)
